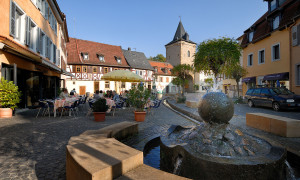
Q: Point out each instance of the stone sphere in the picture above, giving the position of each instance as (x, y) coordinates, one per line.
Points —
(216, 107)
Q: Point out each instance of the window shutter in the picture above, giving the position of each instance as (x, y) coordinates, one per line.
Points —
(38, 4)
(47, 46)
(12, 19)
(41, 45)
(294, 36)
(54, 54)
(46, 10)
(27, 31)
(55, 26)
(58, 57)
(38, 40)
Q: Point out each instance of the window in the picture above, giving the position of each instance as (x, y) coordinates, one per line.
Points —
(84, 69)
(250, 36)
(167, 79)
(105, 70)
(18, 21)
(298, 74)
(141, 73)
(261, 56)
(155, 70)
(161, 79)
(188, 53)
(41, 42)
(250, 59)
(78, 69)
(107, 84)
(256, 91)
(276, 22)
(115, 69)
(276, 52)
(94, 69)
(273, 5)
(123, 85)
(118, 60)
(101, 58)
(265, 92)
(85, 56)
(296, 35)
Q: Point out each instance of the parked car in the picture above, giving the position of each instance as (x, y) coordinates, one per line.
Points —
(277, 98)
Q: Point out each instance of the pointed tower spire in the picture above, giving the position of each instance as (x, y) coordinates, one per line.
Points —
(180, 32)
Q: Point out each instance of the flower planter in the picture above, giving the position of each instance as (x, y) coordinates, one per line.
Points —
(5, 113)
(99, 116)
(139, 116)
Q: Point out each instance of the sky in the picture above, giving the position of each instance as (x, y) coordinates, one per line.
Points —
(148, 25)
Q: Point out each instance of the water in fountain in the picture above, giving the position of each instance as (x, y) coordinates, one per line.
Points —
(216, 86)
(290, 174)
(177, 166)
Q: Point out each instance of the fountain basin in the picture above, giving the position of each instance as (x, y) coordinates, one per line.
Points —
(267, 164)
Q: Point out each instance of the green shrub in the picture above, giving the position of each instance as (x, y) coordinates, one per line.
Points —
(181, 99)
(9, 94)
(100, 105)
(138, 97)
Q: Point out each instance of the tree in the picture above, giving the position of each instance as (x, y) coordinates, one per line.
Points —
(181, 71)
(209, 81)
(236, 72)
(159, 57)
(217, 55)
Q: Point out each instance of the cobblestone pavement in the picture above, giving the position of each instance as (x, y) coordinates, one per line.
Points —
(34, 148)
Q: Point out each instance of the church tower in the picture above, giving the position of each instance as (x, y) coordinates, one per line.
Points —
(180, 50)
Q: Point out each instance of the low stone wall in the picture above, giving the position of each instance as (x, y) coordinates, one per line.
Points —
(97, 154)
(192, 104)
(278, 125)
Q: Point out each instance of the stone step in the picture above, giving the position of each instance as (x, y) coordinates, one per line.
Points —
(148, 173)
(101, 159)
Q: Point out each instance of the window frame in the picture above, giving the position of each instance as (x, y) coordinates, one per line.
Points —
(272, 51)
(86, 69)
(297, 74)
(189, 53)
(119, 61)
(77, 69)
(101, 56)
(273, 21)
(250, 34)
(95, 67)
(107, 83)
(105, 70)
(83, 56)
(259, 57)
(248, 64)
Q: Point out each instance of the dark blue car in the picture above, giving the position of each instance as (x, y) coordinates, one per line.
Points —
(277, 98)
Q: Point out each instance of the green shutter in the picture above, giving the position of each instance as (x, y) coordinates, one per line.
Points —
(12, 19)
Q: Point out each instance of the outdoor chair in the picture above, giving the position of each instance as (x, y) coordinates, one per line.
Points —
(43, 105)
(119, 105)
(90, 109)
(70, 109)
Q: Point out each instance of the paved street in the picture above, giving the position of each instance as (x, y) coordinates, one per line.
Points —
(34, 148)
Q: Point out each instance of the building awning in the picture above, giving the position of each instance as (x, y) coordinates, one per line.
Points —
(50, 64)
(64, 72)
(278, 76)
(249, 79)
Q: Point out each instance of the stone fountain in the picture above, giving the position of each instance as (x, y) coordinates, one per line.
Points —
(217, 150)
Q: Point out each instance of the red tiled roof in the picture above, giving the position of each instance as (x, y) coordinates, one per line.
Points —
(161, 65)
(109, 52)
(262, 27)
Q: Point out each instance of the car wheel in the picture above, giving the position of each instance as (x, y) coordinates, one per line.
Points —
(250, 103)
(276, 106)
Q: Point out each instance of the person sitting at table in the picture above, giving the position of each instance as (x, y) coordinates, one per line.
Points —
(116, 96)
(97, 95)
(101, 94)
(72, 94)
(64, 94)
(108, 94)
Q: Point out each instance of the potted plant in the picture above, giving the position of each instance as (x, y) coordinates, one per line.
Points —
(99, 108)
(9, 98)
(138, 97)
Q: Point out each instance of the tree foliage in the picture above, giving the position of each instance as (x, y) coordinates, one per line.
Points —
(209, 81)
(9, 94)
(159, 57)
(138, 97)
(216, 55)
(236, 71)
(181, 71)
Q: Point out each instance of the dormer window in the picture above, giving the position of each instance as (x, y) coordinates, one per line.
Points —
(101, 57)
(275, 22)
(250, 36)
(85, 56)
(118, 59)
(155, 69)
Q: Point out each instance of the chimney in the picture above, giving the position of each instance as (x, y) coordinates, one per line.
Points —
(129, 49)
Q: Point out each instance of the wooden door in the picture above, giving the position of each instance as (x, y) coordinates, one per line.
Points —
(96, 86)
(82, 90)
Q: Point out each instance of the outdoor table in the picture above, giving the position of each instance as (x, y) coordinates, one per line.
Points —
(63, 102)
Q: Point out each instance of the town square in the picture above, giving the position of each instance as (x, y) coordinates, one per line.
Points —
(149, 89)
